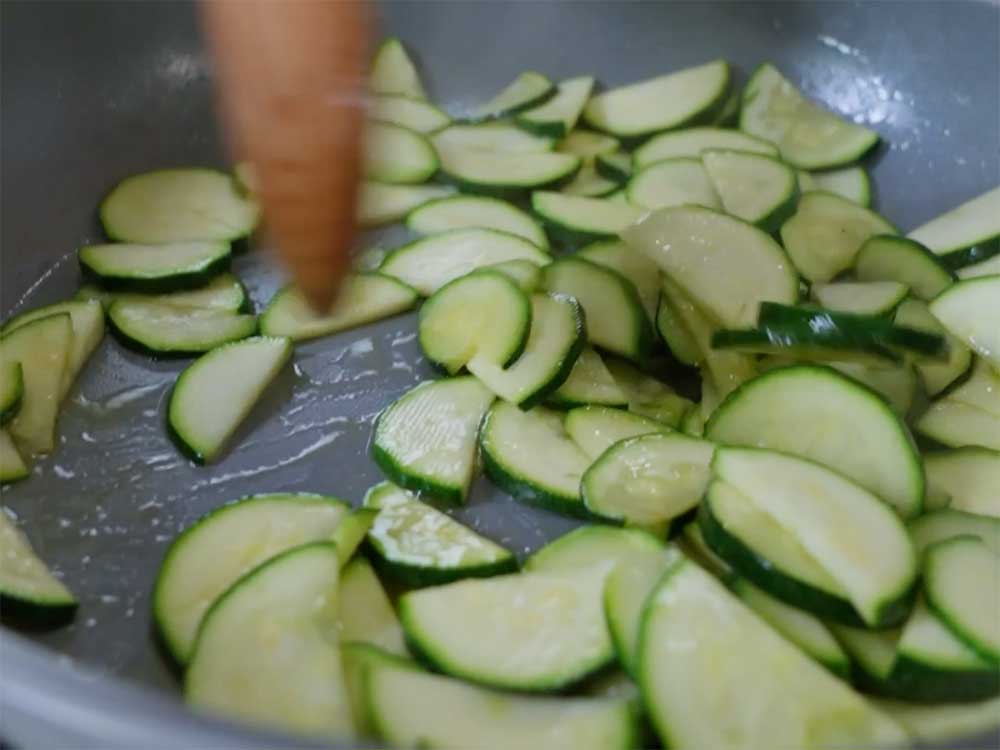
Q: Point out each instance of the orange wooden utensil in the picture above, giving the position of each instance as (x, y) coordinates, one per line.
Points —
(292, 82)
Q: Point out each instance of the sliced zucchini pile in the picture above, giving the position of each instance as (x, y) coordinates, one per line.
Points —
(830, 571)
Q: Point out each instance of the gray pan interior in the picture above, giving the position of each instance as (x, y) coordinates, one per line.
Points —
(95, 91)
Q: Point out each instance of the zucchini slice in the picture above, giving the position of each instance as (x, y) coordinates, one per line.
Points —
(215, 394)
(942, 525)
(826, 232)
(380, 204)
(87, 319)
(616, 321)
(418, 115)
(675, 334)
(672, 182)
(528, 631)
(960, 587)
(860, 297)
(364, 298)
(965, 235)
(166, 329)
(364, 612)
(809, 136)
(700, 648)
(589, 184)
(43, 348)
(432, 262)
(410, 707)
(934, 666)
(588, 145)
(502, 137)
(575, 218)
(426, 440)
(418, 545)
(616, 167)
(589, 382)
(662, 103)
(851, 183)
(848, 530)
(729, 266)
(12, 465)
(648, 480)
(393, 72)
(890, 258)
(483, 316)
(505, 174)
(970, 310)
(635, 267)
(596, 428)
(251, 531)
(398, 155)
(801, 628)
(971, 476)
(956, 424)
(757, 188)
(12, 389)
(155, 268)
(29, 593)
(351, 532)
(556, 117)
(625, 595)
(178, 205)
(940, 724)
(758, 548)
(819, 414)
(470, 211)
(809, 343)
(527, 90)
(872, 654)
(524, 273)
(530, 456)
(594, 546)
(264, 654)
(989, 267)
(224, 292)
(647, 396)
(554, 343)
(981, 389)
(690, 143)
(897, 385)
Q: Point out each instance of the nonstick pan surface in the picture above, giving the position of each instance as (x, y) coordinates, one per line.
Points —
(92, 92)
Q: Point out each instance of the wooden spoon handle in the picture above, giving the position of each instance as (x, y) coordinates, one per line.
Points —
(292, 81)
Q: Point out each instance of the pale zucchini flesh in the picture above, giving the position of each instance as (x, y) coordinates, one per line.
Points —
(949, 523)
(380, 203)
(970, 310)
(970, 477)
(419, 545)
(557, 116)
(809, 136)
(502, 137)
(264, 654)
(532, 631)
(581, 218)
(826, 232)
(432, 262)
(605, 547)
(691, 142)
(178, 205)
(393, 72)
(936, 375)
(673, 182)
(426, 440)
(587, 183)
(28, 589)
(647, 396)
(43, 348)
(967, 233)
(12, 464)
(891, 258)
(956, 424)
(469, 211)
(167, 329)
(494, 173)
(415, 114)
(364, 612)
(363, 298)
(398, 155)
(816, 413)
(215, 394)
(155, 267)
(714, 675)
(634, 266)
(589, 382)
(861, 297)
(596, 428)
(728, 265)
(410, 708)
(756, 188)
(251, 531)
(662, 103)
(525, 91)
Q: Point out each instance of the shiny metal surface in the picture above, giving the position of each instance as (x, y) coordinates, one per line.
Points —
(94, 91)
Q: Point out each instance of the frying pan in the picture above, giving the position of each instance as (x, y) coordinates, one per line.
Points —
(95, 91)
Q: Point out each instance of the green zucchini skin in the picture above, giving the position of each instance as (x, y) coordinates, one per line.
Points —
(30, 615)
(421, 485)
